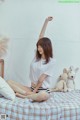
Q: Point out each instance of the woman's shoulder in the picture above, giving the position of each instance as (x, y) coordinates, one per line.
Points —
(52, 60)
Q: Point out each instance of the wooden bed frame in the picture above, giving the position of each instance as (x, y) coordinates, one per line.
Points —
(2, 68)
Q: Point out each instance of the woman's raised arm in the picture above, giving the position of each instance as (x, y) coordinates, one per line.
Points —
(44, 26)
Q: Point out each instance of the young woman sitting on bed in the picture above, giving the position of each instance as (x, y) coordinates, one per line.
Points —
(41, 68)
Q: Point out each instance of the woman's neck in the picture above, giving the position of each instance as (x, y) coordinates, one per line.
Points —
(43, 56)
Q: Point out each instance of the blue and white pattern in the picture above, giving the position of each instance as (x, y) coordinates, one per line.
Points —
(60, 106)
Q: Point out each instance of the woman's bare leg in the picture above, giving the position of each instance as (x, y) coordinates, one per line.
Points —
(25, 92)
(37, 97)
(19, 88)
(23, 96)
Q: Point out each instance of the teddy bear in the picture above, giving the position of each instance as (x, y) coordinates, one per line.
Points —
(71, 72)
(61, 84)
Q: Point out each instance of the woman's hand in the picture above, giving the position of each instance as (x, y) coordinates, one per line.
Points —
(40, 81)
(35, 90)
(33, 84)
(49, 18)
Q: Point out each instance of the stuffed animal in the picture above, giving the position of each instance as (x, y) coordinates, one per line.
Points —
(71, 72)
(61, 85)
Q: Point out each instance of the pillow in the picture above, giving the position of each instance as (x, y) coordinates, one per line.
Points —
(6, 90)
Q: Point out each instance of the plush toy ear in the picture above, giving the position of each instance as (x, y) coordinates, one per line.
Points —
(65, 70)
(71, 68)
(76, 69)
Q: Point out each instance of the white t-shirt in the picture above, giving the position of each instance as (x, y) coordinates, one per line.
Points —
(37, 68)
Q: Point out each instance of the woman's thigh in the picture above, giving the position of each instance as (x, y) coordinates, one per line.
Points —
(17, 87)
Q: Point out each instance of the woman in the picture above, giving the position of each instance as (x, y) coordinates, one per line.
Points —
(41, 69)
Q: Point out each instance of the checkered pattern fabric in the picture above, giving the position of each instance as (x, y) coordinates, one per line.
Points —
(60, 106)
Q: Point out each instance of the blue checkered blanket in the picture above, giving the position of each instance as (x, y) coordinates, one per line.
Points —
(60, 106)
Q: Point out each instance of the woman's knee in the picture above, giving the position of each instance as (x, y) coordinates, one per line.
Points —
(43, 96)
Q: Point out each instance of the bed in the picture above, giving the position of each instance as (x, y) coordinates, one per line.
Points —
(60, 106)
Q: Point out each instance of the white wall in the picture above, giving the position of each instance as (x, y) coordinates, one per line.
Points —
(21, 21)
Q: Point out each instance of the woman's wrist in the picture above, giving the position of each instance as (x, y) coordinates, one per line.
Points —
(35, 90)
(33, 85)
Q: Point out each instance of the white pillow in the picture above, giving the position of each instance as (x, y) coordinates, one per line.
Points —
(6, 90)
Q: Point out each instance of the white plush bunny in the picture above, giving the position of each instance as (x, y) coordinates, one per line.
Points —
(71, 78)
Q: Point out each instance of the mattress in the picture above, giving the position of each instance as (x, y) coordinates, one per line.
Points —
(60, 106)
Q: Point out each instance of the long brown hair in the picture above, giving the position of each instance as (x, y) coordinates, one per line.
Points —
(46, 44)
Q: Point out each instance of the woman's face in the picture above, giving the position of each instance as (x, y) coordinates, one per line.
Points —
(40, 50)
